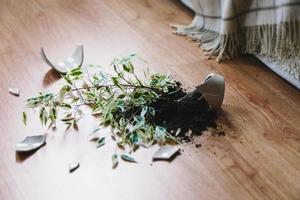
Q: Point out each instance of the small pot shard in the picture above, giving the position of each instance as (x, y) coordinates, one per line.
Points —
(31, 143)
(213, 90)
(73, 166)
(14, 91)
(69, 63)
(165, 152)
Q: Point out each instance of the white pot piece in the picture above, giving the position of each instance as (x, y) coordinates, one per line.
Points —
(165, 152)
(69, 63)
(31, 143)
(14, 91)
(73, 166)
(212, 89)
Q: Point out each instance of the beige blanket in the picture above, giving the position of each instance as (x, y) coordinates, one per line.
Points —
(228, 28)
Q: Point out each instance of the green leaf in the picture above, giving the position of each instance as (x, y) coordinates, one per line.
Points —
(76, 73)
(127, 158)
(138, 125)
(128, 67)
(134, 138)
(115, 69)
(79, 112)
(143, 112)
(121, 105)
(67, 119)
(75, 99)
(151, 111)
(75, 125)
(68, 80)
(115, 160)
(32, 102)
(43, 116)
(101, 142)
(48, 96)
(66, 105)
(115, 81)
(24, 118)
(52, 114)
(120, 145)
(160, 130)
(96, 130)
(62, 93)
(160, 133)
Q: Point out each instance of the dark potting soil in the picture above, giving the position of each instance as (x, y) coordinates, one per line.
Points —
(183, 119)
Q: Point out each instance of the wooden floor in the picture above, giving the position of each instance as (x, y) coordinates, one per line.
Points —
(259, 158)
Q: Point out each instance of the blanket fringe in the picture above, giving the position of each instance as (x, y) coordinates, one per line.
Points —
(280, 42)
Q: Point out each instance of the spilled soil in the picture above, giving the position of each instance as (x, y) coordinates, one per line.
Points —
(183, 119)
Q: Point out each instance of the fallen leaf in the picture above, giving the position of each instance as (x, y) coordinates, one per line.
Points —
(24, 118)
(101, 142)
(127, 158)
(115, 160)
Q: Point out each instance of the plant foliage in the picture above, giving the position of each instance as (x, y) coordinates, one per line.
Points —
(122, 99)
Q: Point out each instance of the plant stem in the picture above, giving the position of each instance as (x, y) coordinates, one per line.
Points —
(124, 85)
(79, 94)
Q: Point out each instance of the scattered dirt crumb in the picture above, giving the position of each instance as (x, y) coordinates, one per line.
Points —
(218, 130)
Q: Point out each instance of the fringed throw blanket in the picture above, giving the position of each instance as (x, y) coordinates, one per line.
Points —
(228, 28)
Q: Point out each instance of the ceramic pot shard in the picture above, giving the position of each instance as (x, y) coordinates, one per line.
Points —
(68, 64)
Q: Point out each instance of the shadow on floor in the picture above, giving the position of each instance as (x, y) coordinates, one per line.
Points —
(22, 156)
(51, 77)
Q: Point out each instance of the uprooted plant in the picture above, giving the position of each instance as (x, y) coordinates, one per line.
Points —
(140, 111)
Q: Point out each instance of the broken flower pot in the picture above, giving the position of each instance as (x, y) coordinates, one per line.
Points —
(69, 63)
(73, 166)
(14, 91)
(212, 89)
(31, 143)
(166, 152)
